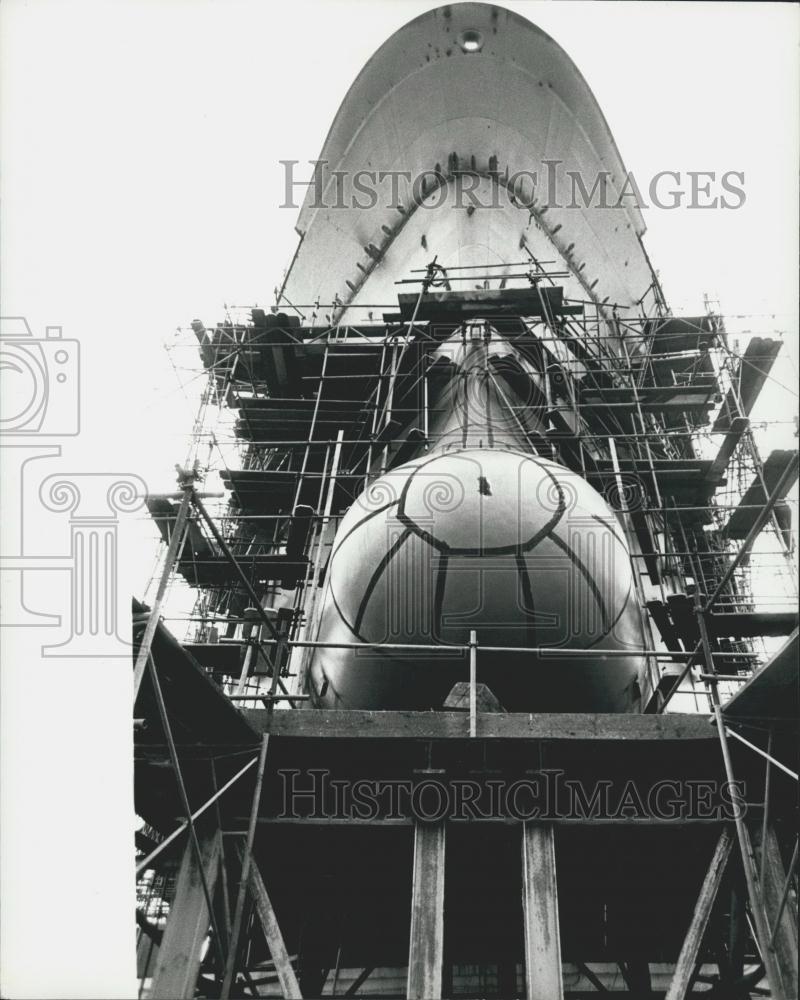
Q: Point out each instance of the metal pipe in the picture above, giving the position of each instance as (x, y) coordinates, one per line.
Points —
(751, 876)
(552, 652)
(477, 267)
(176, 766)
(644, 618)
(486, 277)
(268, 697)
(762, 753)
(232, 560)
(714, 678)
(145, 863)
(765, 818)
(762, 931)
(175, 542)
(473, 683)
(681, 678)
(312, 428)
(230, 964)
(345, 441)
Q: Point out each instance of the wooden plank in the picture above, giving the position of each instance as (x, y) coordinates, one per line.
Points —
(772, 691)
(543, 976)
(459, 698)
(455, 307)
(359, 981)
(758, 912)
(786, 935)
(777, 463)
(751, 374)
(426, 945)
(746, 624)
(684, 968)
(556, 726)
(272, 932)
(395, 821)
(146, 956)
(732, 437)
(178, 963)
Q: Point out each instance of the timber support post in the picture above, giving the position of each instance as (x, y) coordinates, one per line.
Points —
(426, 947)
(776, 888)
(543, 976)
(273, 936)
(685, 967)
(179, 954)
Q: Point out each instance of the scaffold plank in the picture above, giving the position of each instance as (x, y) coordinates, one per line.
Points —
(772, 692)
(733, 435)
(672, 334)
(751, 373)
(751, 624)
(456, 307)
(744, 517)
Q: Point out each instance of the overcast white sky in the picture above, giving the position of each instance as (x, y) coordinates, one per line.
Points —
(140, 188)
(141, 181)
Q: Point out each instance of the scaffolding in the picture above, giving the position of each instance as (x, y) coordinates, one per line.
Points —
(299, 416)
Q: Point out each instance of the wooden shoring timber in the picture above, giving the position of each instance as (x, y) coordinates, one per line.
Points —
(359, 981)
(179, 954)
(780, 912)
(543, 976)
(760, 918)
(685, 966)
(754, 888)
(636, 975)
(273, 935)
(426, 945)
(552, 726)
